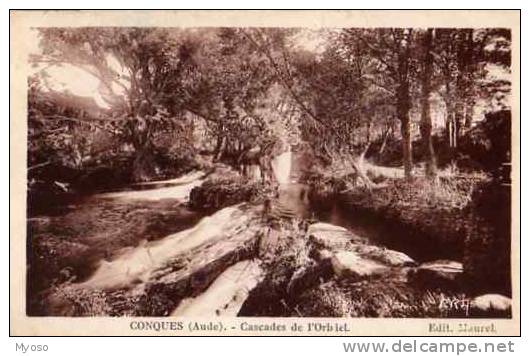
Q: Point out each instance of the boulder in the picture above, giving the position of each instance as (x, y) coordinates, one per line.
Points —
(388, 257)
(182, 265)
(225, 231)
(348, 263)
(437, 273)
(492, 302)
(324, 254)
(309, 275)
(321, 226)
(330, 236)
(269, 242)
(226, 295)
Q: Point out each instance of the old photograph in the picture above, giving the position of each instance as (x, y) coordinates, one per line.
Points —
(344, 172)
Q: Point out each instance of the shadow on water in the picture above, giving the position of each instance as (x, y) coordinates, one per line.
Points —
(387, 231)
(392, 234)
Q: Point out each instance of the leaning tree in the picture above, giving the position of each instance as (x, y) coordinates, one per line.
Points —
(145, 75)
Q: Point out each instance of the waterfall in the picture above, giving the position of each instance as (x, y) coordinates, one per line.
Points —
(137, 264)
(281, 166)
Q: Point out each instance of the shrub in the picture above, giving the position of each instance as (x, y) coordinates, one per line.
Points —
(217, 193)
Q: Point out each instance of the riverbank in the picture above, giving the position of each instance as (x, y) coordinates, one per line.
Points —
(429, 219)
(449, 218)
(324, 270)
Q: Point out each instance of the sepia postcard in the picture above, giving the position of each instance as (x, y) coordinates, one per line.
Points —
(325, 173)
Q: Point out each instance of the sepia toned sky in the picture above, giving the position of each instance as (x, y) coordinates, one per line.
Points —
(71, 78)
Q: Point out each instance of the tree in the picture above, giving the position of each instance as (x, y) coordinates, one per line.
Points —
(426, 122)
(392, 68)
(145, 75)
(235, 82)
(340, 105)
(462, 58)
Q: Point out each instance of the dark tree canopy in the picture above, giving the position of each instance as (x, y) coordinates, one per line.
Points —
(246, 88)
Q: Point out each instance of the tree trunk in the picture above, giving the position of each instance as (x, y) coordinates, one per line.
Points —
(143, 167)
(368, 132)
(220, 149)
(350, 158)
(458, 122)
(450, 124)
(404, 104)
(448, 134)
(464, 85)
(358, 166)
(362, 155)
(140, 137)
(468, 117)
(385, 139)
(426, 122)
(406, 144)
(449, 113)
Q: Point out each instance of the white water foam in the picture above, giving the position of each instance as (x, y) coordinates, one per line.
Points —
(181, 190)
(136, 265)
(281, 166)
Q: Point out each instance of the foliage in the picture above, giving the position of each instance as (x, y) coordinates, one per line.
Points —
(489, 142)
(375, 298)
(242, 89)
(218, 193)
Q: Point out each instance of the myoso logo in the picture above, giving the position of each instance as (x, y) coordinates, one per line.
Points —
(33, 348)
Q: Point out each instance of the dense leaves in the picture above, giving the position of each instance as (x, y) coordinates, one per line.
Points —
(229, 91)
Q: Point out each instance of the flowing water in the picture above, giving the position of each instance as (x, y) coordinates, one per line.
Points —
(226, 294)
(136, 265)
(178, 188)
(281, 165)
(91, 233)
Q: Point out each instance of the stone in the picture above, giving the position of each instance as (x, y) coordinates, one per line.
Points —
(320, 226)
(329, 236)
(226, 295)
(388, 257)
(310, 275)
(492, 302)
(439, 272)
(324, 255)
(348, 263)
